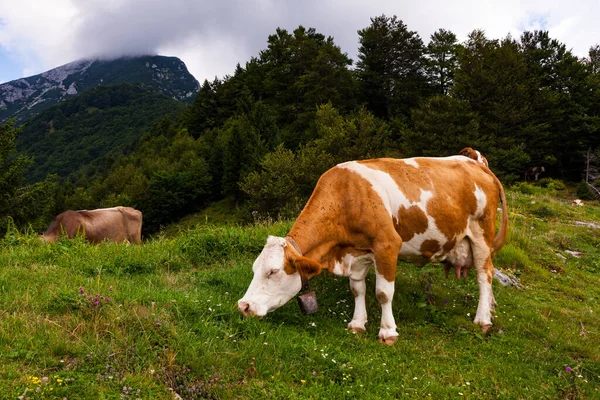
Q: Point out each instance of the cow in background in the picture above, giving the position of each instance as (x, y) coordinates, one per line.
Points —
(372, 212)
(534, 171)
(117, 224)
(474, 154)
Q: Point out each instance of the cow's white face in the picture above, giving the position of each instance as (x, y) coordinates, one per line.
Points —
(271, 286)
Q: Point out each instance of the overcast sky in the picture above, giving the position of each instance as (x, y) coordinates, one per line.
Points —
(211, 37)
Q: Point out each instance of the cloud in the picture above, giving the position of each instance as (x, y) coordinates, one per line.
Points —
(211, 37)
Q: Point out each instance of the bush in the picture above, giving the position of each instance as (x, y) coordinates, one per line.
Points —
(584, 192)
(526, 188)
(543, 211)
(552, 184)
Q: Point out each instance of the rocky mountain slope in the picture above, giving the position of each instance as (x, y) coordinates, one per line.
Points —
(26, 97)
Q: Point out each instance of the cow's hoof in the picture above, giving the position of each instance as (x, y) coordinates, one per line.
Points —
(388, 341)
(356, 327)
(388, 336)
(485, 329)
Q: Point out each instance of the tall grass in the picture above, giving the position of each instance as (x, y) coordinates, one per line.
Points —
(118, 321)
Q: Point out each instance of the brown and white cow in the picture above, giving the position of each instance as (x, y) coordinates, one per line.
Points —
(475, 155)
(372, 212)
(534, 171)
(118, 224)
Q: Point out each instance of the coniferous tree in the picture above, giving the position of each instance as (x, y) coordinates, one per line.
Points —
(564, 99)
(442, 126)
(391, 68)
(442, 52)
(493, 78)
(22, 204)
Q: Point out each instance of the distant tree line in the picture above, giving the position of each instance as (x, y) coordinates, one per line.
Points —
(265, 134)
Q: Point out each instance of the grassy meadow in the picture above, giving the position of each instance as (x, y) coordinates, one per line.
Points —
(158, 321)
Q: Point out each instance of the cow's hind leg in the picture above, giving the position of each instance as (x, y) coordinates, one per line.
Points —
(484, 268)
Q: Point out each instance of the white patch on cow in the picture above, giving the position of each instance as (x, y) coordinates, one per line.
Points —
(383, 184)
(351, 265)
(412, 162)
(481, 200)
(458, 158)
(271, 286)
(479, 158)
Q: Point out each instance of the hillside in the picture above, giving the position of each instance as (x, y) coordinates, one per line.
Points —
(83, 133)
(26, 97)
(145, 321)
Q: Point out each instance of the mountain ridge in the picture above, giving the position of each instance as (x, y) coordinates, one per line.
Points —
(26, 97)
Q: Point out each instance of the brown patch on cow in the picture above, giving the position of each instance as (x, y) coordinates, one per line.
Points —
(382, 297)
(354, 291)
(429, 248)
(411, 221)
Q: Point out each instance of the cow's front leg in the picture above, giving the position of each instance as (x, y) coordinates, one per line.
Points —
(384, 289)
(359, 319)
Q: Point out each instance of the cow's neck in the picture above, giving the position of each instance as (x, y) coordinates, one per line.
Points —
(314, 238)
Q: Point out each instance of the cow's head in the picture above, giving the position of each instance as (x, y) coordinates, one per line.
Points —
(276, 280)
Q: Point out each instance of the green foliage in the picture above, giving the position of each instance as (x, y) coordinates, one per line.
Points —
(551, 184)
(391, 67)
(286, 179)
(526, 188)
(81, 136)
(442, 51)
(18, 204)
(442, 127)
(584, 192)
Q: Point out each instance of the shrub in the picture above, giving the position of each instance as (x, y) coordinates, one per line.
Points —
(552, 184)
(584, 192)
(526, 188)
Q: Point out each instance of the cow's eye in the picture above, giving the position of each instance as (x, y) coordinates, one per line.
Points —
(272, 272)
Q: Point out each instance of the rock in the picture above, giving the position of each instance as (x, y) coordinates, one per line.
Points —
(575, 254)
(505, 279)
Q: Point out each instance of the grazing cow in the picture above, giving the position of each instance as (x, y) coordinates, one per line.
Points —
(371, 212)
(118, 224)
(534, 171)
(474, 154)
(577, 202)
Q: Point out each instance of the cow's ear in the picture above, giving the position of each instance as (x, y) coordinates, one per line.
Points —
(307, 267)
(303, 265)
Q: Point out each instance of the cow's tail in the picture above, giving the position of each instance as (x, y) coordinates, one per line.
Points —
(500, 238)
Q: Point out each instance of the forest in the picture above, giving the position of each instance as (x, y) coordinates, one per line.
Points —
(262, 136)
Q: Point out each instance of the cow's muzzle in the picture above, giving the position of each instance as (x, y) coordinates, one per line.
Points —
(246, 309)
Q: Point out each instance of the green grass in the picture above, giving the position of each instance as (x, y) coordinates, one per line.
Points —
(171, 321)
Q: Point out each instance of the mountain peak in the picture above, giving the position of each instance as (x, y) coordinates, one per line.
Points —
(26, 97)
